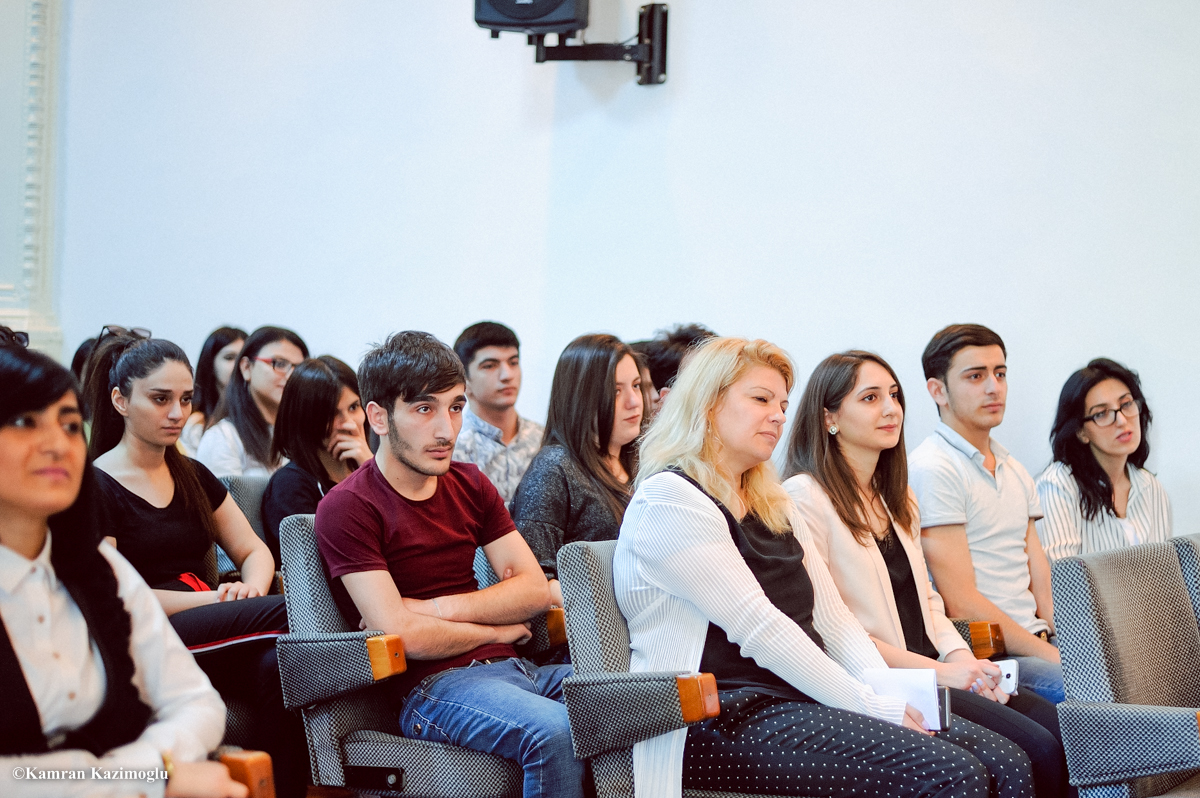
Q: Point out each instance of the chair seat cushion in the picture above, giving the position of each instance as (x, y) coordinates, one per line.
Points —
(1189, 789)
(432, 770)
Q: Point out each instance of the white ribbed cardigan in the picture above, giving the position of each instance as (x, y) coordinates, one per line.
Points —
(676, 568)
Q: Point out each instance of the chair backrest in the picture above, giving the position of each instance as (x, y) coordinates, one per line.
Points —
(310, 604)
(248, 493)
(1187, 548)
(1127, 629)
(596, 630)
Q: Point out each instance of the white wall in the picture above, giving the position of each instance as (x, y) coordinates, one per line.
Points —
(825, 175)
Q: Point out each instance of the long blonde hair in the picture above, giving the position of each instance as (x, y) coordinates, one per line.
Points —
(683, 437)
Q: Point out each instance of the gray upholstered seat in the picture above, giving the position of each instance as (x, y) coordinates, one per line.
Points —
(1130, 646)
(247, 493)
(599, 643)
(355, 727)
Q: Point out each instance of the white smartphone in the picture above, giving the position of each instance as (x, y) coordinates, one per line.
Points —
(1008, 675)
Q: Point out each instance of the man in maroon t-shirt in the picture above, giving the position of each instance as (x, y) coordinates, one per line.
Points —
(399, 537)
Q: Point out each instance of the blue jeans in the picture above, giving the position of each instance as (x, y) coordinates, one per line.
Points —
(512, 709)
(1042, 676)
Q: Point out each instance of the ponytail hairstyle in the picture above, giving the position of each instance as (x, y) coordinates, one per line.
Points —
(683, 435)
(238, 405)
(813, 451)
(580, 419)
(120, 357)
(208, 393)
(308, 410)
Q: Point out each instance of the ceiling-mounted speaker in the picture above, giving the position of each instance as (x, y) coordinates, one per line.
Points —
(532, 16)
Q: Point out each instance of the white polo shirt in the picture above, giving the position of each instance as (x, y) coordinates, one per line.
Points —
(953, 487)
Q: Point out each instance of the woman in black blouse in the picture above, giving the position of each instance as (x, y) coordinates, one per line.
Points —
(164, 511)
(321, 428)
(577, 486)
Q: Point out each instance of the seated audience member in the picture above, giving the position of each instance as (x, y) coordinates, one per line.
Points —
(493, 436)
(320, 428)
(218, 356)
(399, 537)
(850, 483)
(716, 571)
(664, 353)
(1097, 495)
(978, 506)
(578, 485)
(164, 511)
(93, 675)
(238, 439)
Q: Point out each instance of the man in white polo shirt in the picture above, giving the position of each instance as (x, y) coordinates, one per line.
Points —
(978, 505)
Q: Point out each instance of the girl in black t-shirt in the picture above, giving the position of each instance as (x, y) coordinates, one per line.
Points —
(321, 428)
(164, 511)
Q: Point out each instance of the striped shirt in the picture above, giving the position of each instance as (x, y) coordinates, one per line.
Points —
(676, 568)
(1064, 532)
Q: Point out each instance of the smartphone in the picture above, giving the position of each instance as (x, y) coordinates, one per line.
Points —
(1008, 675)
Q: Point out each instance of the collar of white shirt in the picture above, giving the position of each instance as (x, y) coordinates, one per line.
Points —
(14, 567)
(967, 448)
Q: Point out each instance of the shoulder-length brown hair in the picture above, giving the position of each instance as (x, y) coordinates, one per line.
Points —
(813, 451)
(582, 402)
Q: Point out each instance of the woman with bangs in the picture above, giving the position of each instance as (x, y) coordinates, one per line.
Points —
(715, 571)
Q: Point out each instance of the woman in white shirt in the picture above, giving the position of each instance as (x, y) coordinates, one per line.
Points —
(218, 358)
(715, 571)
(1097, 495)
(849, 480)
(92, 673)
(238, 439)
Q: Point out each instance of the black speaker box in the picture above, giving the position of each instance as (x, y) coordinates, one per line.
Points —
(532, 16)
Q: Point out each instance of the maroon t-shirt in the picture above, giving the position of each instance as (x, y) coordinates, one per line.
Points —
(427, 546)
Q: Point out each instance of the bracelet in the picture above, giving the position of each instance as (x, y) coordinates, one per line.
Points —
(439, 609)
(168, 765)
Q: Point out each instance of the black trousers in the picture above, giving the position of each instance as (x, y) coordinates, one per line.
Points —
(236, 650)
(1031, 722)
(763, 744)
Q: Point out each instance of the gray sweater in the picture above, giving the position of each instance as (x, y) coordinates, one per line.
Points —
(556, 504)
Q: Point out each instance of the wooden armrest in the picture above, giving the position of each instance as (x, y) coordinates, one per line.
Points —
(387, 656)
(556, 626)
(698, 697)
(987, 640)
(252, 768)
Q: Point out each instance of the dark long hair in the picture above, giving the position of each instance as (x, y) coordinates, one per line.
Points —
(580, 418)
(307, 412)
(208, 393)
(1095, 488)
(813, 451)
(238, 405)
(30, 382)
(116, 362)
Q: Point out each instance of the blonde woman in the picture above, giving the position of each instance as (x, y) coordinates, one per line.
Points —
(715, 571)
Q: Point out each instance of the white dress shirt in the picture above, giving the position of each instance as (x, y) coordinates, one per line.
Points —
(66, 677)
(1064, 531)
(676, 568)
(861, 574)
(222, 450)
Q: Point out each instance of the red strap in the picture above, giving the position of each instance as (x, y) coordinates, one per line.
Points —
(194, 582)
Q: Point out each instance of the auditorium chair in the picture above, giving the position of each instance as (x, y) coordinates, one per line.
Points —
(1130, 645)
(247, 493)
(610, 708)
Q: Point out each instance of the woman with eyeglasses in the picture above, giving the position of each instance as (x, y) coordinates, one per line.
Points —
(238, 440)
(218, 359)
(1097, 495)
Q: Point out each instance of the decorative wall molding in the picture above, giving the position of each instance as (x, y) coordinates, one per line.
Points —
(29, 304)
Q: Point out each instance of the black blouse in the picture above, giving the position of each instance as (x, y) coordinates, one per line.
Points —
(160, 542)
(904, 589)
(291, 491)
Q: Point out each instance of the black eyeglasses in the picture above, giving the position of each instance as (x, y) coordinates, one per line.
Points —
(13, 337)
(1130, 408)
(112, 329)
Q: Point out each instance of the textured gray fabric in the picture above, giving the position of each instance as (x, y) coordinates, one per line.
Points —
(1187, 548)
(557, 503)
(239, 723)
(1129, 639)
(600, 709)
(247, 493)
(310, 605)
(435, 771)
(596, 630)
(317, 667)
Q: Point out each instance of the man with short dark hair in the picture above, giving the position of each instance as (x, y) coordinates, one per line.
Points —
(978, 506)
(494, 437)
(399, 538)
(664, 354)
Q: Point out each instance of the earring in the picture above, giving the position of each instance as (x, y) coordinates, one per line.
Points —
(833, 430)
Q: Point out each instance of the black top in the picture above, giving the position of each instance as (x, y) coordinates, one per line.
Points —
(160, 542)
(908, 601)
(777, 562)
(556, 504)
(291, 491)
